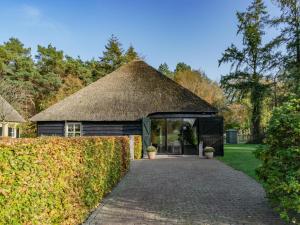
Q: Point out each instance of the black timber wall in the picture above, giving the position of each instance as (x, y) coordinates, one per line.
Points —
(210, 130)
(111, 128)
(211, 133)
(92, 128)
(51, 128)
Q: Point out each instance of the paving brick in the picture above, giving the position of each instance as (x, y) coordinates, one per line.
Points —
(184, 190)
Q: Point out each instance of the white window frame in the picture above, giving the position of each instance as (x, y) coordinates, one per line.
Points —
(13, 133)
(68, 124)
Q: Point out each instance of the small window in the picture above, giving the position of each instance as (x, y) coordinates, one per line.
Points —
(11, 132)
(73, 129)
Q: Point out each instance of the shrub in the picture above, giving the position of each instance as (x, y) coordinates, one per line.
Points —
(58, 180)
(209, 149)
(151, 149)
(280, 169)
(138, 150)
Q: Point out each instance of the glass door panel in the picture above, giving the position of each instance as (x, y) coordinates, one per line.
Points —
(189, 136)
(174, 136)
(158, 135)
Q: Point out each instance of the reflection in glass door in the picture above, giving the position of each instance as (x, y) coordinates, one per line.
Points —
(174, 136)
(158, 135)
(189, 136)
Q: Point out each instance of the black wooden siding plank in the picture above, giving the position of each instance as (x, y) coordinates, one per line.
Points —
(110, 129)
(211, 133)
(92, 128)
(51, 128)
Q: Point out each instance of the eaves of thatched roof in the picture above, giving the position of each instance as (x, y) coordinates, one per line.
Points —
(8, 113)
(133, 91)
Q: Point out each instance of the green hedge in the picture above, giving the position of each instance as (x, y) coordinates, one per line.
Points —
(58, 180)
(280, 170)
(138, 150)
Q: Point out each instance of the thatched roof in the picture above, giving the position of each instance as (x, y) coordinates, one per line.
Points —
(8, 113)
(133, 91)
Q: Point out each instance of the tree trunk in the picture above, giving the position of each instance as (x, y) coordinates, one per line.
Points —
(275, 93)
(297, 34)
(256, 101)
(298, 51)
(298, 58)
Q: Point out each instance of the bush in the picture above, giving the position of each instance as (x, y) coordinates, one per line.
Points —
(151, 149)
(58, 180)
(138, 150)
(209, 149)
(280, 169)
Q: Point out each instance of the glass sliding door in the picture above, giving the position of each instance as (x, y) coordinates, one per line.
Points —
(174, 136)
(189, 136)
(158, 135)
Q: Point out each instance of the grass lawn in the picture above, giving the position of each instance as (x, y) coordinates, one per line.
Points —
(241, 157)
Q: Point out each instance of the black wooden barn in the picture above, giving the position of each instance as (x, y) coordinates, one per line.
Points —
(136, 99)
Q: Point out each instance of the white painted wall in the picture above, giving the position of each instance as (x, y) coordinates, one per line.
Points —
(5, 127)
(131, 146)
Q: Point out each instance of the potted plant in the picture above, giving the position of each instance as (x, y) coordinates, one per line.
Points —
(209, 152)
(151, 150)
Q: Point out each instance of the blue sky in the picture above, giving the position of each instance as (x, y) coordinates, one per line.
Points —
(192, 31)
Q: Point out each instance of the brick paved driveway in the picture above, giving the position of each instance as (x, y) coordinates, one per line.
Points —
(184, 190)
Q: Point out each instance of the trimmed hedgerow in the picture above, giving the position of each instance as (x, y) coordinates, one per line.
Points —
(138, 150)
(58, 180)
(280, 169)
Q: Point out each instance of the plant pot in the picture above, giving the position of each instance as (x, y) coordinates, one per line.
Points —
(209, 155)
(151, 155)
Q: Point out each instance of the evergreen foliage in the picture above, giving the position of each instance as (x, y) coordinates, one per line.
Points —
(112, 56)
(181, 67)
(252, 64)
(50, 75)
(289, 24)
(164, 69)
(131, 54)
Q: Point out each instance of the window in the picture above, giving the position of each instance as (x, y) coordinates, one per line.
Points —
(11, 132)
(73, 129)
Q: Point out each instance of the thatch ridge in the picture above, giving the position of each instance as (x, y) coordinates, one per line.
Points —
(131, 92)
(8, 113)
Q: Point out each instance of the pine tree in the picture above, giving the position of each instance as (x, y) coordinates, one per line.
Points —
(75, 67)
(50, 65)
(164, 69)
(180, 67)
(15, 60)
(290, 36)
(18, 73)
(49, 59)
(251, 64)
(112, 56)
(130, 54)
